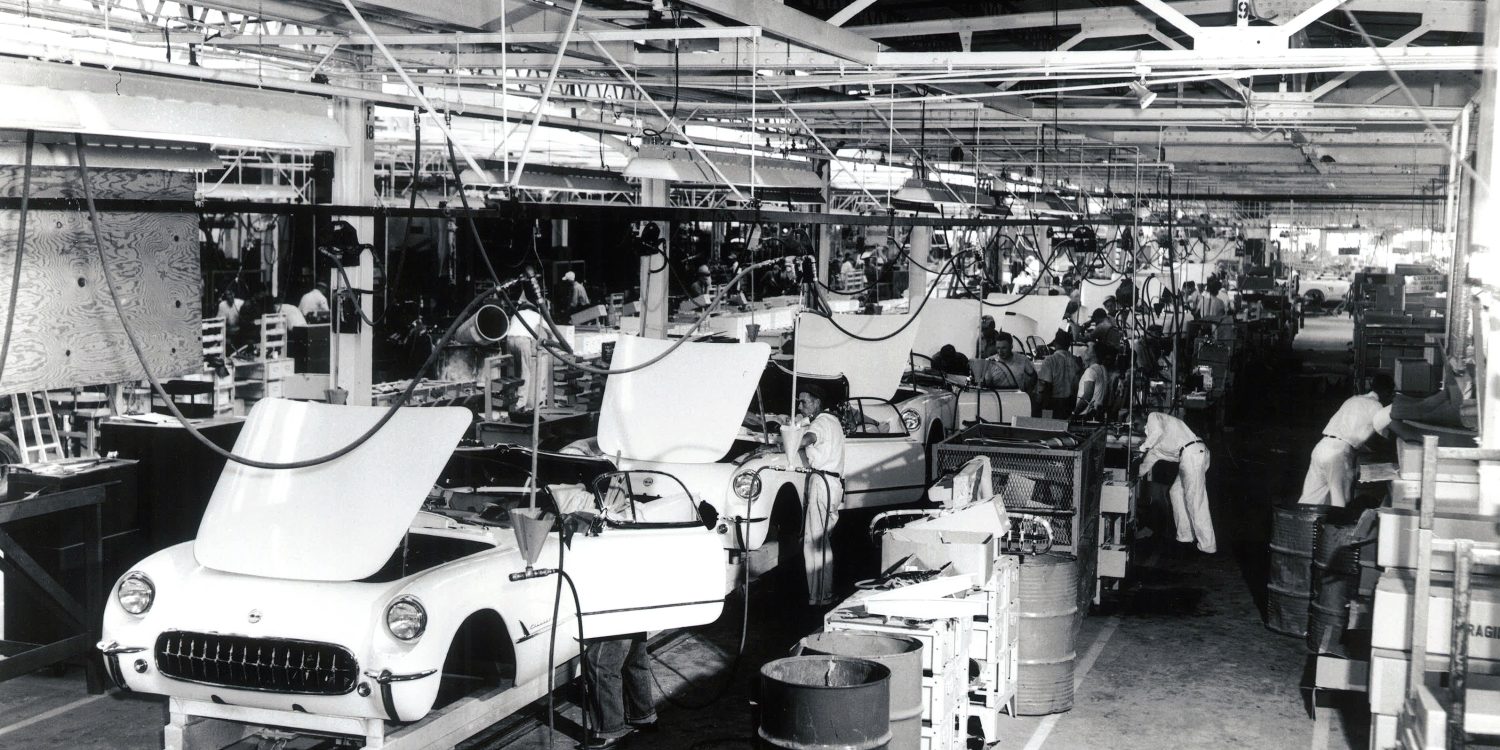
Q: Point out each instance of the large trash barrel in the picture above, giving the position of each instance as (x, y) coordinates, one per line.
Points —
(1048, 633)
(1289, 590)
(1335, 579)
(901, 655)
(825, 703)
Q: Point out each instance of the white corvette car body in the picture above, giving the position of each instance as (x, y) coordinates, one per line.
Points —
(744, 473)
(285, 600)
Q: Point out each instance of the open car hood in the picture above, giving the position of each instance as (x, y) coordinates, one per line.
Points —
(873, 368)
(685, 409)
(776, 388)
(337, 521)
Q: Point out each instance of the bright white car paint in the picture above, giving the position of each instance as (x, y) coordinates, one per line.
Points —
(873, 368)
(274, 522)
(880, 469)
(629, 579)
(687, 410)
(1332, 288)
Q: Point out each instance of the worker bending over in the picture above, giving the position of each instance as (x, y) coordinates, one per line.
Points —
(1331, 470)
(1170, 439)
(820, 451)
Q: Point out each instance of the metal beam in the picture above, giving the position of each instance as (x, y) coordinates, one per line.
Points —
(1307, 17)
(809, 31)
(849, 11)
(1448, 15)
(1172, 16)
(453, 40)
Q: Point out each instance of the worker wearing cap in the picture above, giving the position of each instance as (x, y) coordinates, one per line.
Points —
(819, 451)
(572, 295)
(1169, 439)
(701, 290)
(1331, 469)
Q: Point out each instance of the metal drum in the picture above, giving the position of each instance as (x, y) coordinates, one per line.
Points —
(1046, 640)
(1335, 579)
(901, 655)
(825, 703)
(1293, 535)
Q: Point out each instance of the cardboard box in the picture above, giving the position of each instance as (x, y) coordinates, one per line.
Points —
(1397, 545)
(1388, 675)
(1392, 624)
(1409, 461)
(1114, 498)
(1415, 375)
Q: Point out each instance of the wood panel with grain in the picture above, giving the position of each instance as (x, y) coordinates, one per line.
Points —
(67, 332)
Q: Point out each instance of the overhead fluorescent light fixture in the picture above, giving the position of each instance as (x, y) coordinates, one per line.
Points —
(1144, 96)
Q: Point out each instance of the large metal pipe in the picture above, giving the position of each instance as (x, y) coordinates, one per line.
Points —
(485, 327)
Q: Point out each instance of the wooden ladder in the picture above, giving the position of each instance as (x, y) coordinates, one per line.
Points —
(36, 428)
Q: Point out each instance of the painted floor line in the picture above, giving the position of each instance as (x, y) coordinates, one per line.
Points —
(1322, 728)
(45, 715)
(1043, 730)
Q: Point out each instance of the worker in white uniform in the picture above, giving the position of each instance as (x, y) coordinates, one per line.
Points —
(521, 345)
(1331, 470)
(820, 452)
(1169, 439)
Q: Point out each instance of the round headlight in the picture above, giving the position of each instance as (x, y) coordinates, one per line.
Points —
(911, 419)
(406, 618)
(136, 593)
(746, 484)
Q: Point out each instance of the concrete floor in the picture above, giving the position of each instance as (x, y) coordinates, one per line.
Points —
(1178, 660)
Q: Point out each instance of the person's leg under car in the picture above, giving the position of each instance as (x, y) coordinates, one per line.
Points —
(603, 663)
(640, 699)
(824, 496)
(1192, 486)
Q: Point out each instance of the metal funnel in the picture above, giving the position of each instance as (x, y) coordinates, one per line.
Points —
(531, 526)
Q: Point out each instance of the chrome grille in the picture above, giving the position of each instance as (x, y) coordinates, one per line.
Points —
(275, 665)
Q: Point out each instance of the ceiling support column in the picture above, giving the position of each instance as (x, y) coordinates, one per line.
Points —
(354, 185)
(655, 278)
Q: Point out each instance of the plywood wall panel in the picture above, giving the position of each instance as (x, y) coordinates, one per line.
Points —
(67, 332)
(131, 184)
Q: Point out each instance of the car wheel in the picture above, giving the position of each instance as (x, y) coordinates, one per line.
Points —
(786, 529)
(934, 436)
(10, 453)
(1315, 297)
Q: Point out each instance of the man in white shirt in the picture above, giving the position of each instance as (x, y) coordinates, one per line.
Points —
(521, 345)
(1331, 470)
(820, 451)
(1170, 439)
(314, 304)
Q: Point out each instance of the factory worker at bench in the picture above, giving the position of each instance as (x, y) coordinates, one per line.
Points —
(1331, 470)
(819, 450)
(1170, 439)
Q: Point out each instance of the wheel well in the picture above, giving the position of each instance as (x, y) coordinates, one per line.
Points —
(480, 655)
(786, 513)
(935, 432)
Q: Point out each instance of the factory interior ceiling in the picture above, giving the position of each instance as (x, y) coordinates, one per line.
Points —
(1312, 101)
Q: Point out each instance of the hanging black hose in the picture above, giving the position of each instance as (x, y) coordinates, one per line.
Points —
(171, 406)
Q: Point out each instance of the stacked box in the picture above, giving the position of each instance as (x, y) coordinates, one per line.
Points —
(945, 666)
(993, 649)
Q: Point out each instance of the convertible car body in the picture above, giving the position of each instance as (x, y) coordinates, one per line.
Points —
(736, 405)
(330, 590)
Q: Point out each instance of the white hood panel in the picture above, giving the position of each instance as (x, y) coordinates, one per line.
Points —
(873, 368)
(338, 521)
(685, 409)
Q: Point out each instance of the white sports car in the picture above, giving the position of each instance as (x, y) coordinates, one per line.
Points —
(330, 591)
(741, 470)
